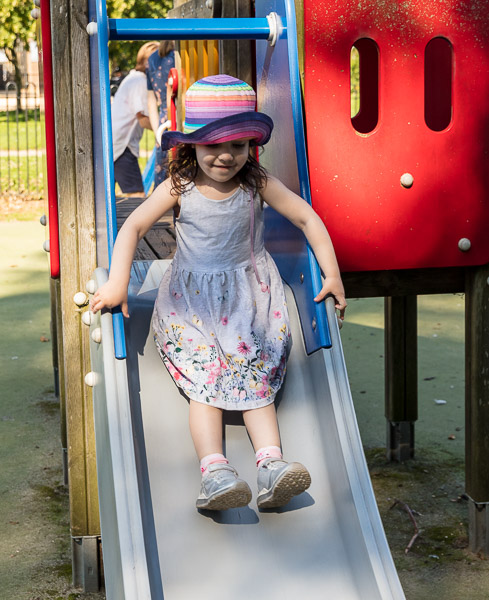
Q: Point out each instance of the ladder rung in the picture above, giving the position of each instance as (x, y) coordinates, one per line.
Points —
(190, 29)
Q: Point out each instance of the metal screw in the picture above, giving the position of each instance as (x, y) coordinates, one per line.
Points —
(302, 277)
(464, 244)
(97, 335)
(407, 180)
(314, 323)
(80, 299)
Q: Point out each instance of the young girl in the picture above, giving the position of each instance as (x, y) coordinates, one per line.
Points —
(220, 319)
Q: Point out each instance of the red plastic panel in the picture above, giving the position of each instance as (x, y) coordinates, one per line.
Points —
(52, 190)
(434, 127)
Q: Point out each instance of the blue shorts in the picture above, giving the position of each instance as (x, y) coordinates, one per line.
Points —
(128, 174)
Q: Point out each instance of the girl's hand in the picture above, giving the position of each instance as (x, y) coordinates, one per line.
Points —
(334, 286)
(108, 296)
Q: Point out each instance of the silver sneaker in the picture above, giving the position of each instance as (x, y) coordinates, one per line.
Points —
(221, 489)
(279, 481)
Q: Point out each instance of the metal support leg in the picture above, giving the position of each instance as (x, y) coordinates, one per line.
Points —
(478, 528)
(86, 560)
(401, 376)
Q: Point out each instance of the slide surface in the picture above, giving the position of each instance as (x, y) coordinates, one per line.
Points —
(327, 543)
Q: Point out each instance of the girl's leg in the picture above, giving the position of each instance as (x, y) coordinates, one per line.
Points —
(262, 426)
(220, 487)
(205, 428)
(278, 480)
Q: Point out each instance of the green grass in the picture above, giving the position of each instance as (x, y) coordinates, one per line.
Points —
(16, 134)
(21, 174)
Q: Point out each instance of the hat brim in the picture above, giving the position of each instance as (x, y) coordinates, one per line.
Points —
(253, 125)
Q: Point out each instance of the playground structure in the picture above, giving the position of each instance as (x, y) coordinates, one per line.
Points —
(401, 188)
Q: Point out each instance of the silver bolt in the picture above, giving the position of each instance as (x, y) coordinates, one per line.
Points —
(302, 277)
(91, 378)
(80, 299)
(97, 335)
(314, 323)
(407, 180)
(464, 244)
(87, 317)
(91, 286)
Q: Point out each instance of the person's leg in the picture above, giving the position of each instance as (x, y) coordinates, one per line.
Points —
(128, 175)
(220, 489)
(262, 426)
(278, 480)
(205, 428)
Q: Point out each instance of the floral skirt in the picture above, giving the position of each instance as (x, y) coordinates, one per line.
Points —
(223, 340)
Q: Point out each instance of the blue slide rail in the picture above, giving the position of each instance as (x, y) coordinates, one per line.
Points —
(317, 336)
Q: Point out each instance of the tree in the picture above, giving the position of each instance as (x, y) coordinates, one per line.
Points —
(16, 29)
(122, 55)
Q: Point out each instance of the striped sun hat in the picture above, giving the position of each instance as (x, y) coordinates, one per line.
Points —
(218, 109)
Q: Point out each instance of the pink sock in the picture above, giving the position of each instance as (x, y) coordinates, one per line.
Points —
(267, 452)
(212, 459)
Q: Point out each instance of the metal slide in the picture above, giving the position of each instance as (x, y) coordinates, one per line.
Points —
(327, 543)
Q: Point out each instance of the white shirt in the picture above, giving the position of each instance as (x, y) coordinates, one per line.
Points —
(130, 99)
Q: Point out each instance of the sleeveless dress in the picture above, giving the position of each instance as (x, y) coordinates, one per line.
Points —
(220, 320)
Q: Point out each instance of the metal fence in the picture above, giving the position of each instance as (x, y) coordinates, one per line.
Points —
(22, 146)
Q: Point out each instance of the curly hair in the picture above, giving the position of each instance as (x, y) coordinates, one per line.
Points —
(183, 169)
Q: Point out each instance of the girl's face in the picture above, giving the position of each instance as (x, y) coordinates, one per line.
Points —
(221, 162)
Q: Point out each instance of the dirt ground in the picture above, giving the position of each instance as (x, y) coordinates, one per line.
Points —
(438, 565)
(35, 561)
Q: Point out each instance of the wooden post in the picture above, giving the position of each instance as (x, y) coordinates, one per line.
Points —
(77, 262)
(477, 406)
(401, 375)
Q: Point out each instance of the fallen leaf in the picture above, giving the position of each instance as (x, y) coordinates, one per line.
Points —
(451, 437)
(44, 339)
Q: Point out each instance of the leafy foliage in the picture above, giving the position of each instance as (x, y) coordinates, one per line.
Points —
(16, 23)
(123, 54)
(16, 28)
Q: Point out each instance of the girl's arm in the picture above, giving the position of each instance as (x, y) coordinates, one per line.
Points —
(114, 292)
(301, 214)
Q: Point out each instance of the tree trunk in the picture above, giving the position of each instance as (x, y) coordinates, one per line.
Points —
(14, 59)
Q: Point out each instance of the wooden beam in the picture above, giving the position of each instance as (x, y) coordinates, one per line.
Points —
(477, 406)
(409, 282)
(77, 250)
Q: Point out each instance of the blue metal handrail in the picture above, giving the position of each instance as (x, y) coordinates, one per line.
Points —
(108, 159)
(322, 337)
(189, 29)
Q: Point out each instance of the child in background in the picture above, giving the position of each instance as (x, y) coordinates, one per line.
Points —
(220, 319)
(159, 65)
